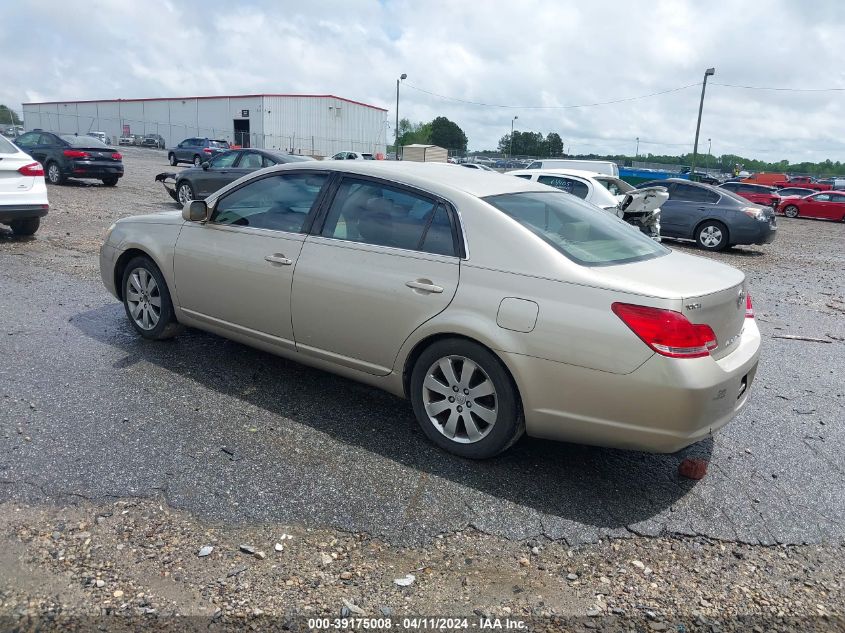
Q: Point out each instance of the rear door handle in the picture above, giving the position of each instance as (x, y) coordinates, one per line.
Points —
(424, 286)
(278, 258)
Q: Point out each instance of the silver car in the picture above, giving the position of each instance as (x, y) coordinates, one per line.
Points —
(496, 305)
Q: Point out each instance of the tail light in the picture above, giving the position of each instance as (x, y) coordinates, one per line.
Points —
(117, 156)
(33, 169)
(207, 150)
(667, 332)
(749, 309)
(75, 153)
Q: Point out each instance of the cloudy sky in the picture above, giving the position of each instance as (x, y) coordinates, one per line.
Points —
(535, 57)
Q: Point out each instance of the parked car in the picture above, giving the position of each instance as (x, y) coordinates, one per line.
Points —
(12, 131)
(196, 150)
(70, 156)
(579, 330)
(715, 218)
(760, 194)
(602, 166)
(480, 166)
(641, 209)
(126, 140)
(153, 140)
(353, 156)
(793, 192)
(196, 183)
(763, 178)
(23, 194)
(822, 205)
(100, 136)
(807, 182)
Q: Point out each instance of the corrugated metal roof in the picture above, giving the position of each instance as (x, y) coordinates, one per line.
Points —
(367, 105)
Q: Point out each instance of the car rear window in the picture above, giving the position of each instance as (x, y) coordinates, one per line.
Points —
(82, 141)
(6, 147)
(580, 231)
(220, 144)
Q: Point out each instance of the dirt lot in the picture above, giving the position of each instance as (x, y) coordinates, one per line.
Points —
(120, 460)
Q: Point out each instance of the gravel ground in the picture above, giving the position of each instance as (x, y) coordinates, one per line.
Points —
(554, 535)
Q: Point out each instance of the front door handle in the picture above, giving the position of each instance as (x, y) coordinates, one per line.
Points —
(278, 258)
(424, 286)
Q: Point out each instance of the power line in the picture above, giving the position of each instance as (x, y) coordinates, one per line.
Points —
(778, 89)
(536, 107)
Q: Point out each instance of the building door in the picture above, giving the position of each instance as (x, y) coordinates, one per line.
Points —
(241, 132)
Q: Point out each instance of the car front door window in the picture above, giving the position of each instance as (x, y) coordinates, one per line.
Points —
(223, 161)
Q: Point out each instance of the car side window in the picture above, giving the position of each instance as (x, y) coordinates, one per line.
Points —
(251, 160)
(30, 139)
(278, 203)
(690, 193)
(377, 214)
(569, 185)
(525, 176)
(837, 198)
(266, 161)
(822, 197)
(224, 160)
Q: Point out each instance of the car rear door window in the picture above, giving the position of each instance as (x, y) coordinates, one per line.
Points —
(251, 160)
(381, 215)
(691, 193)
(278, 203)
(569, 185)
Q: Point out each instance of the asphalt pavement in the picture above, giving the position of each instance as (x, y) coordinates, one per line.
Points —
(89, 410)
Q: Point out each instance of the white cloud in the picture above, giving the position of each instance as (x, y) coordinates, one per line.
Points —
(495, 51)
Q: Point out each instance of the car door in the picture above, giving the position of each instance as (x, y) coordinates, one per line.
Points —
(384, 261)
(814, 206)
(221, 171)
(32, 145)
(837, 207)
(687, 206)
(234, 272)
(248, 162)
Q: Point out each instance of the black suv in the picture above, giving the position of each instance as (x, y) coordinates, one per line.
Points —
(197, 150)
(72, 156)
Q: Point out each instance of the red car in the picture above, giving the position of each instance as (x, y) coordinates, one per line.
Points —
(804, 181)
(825, 205)
(759, 194)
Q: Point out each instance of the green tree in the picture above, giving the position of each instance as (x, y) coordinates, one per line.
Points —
(410, 133)
(9, 116)
(448, 134)
(554, 144)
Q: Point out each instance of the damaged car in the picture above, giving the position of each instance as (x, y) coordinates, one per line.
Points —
(197, 183)
(638, 207)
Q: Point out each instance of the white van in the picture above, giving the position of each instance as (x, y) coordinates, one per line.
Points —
(601, 166)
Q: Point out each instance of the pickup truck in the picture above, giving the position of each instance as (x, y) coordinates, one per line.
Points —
(806, 182)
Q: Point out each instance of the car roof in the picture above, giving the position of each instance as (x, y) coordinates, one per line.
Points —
(440, 178)
(562, 171)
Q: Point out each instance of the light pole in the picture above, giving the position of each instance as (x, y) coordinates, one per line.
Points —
(396, 130)
(709, 145)
(637, 155)
(707, 73)
(510, 151)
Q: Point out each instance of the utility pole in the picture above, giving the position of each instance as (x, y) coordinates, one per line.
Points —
(396, 130)
(707, 73)
(637, 155)
(510, 151)
(709, 145)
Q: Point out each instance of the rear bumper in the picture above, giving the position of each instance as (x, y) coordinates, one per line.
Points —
(79, 169)
(10, 213)
(662, 406)
(755, 232)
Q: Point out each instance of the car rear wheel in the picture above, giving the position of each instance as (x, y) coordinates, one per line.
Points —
(465, 400)
(712, 236)
(54, 174)
(197, 161)
(184, 192)
(147, 300)
(791, 211)
(172, 158)
(110, 182)
(25, 226)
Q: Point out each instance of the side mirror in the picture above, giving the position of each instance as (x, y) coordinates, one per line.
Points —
(206, 165)
(195, 211)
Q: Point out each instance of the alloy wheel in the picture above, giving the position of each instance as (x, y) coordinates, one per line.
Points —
(143, 297)
(711, 236)
(185, 193)
(460, 399)
(54, 174)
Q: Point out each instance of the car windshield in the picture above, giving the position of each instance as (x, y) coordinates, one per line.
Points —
(578, 230)
(82, 141)
(6, 147)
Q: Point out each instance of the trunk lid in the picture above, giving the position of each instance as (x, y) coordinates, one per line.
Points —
(723, 311)
(11, 180)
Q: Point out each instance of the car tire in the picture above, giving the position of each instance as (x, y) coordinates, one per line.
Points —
(172, 159)
(197, 160)
(184, 192)
(25, 226)
(143, 286)
(110, 182)
(712, 235)
(453, 424)
(791, 211)
(54, 173)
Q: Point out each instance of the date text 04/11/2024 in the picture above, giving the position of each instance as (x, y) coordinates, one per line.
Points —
(416, 623)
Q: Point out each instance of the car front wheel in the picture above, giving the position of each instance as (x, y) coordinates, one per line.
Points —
(172, 159)
(465, 400)
(147, 300)
(185, 193)
(791, 211)
(110, 182)
(712, 236)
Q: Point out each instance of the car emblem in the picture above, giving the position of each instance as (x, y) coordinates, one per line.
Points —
(740, 299)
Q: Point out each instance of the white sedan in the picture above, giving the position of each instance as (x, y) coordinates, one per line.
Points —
(497, 306)
(23, 193)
